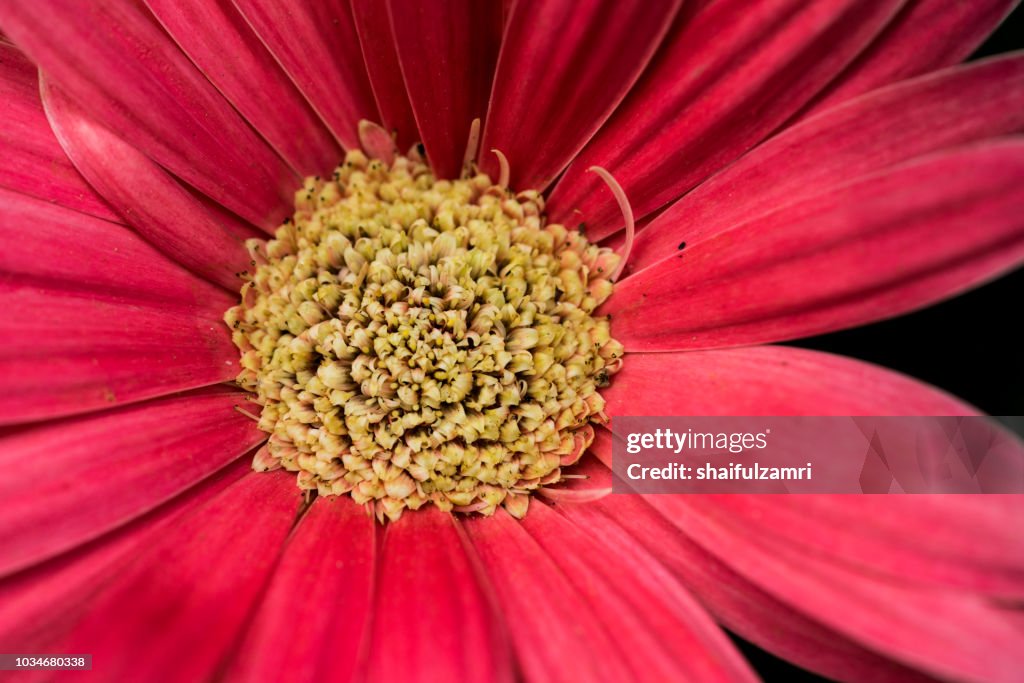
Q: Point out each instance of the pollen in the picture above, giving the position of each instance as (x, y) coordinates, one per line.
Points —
(415, 341)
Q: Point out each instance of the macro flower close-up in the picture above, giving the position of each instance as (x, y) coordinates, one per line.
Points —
(318, 317)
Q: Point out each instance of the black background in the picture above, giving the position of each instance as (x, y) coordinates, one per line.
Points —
(969, 346)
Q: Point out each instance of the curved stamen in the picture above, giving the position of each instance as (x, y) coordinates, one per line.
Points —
(251, 416)
(471, 145)
(377, 142)
(257, 255)
(627, 215)
(503, 169)
(574, 495)
(264, 461)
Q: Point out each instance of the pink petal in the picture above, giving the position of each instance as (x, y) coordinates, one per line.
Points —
(958, 542)
(250, 79)
(447, 50)
(381, 58)
(199, 582)
(232, 222)
(98, 316)
(877, 247)
(729, 76)
(124, 71)
(432, 621)
(65, 353)
(738, 604)
(317, 45)
(34, 164)
(947, 633)
(926, 35)
(81, 477)
(768, 380)
(875, 132)
(29, 621)
(563, 68)
(324, 582)
(149, 198)
(554, 627)
(57, 247)
(657, 625)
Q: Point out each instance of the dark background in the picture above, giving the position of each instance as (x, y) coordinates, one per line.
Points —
(970, 346)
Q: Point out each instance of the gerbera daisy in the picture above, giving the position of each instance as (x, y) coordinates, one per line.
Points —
(407, 260)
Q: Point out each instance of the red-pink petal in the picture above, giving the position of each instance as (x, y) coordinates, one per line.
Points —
(563, 68)
(199, 581)
(926, 35)
(81, 477)
(98, 316)
(148, 197)
(34, 163)
(219, 41)
(738, 604)
(122, 69)
(29, 621)
(379, 53)
(960, 542)
(324, 582)
(554, 628)
(874, 132)
(657, 625)
(447, 50)
(729, 76)
(317, 45)
(947, 633)
(877, 247)
(768, 380)
(69, 349)
(431, 619)
(58, 247)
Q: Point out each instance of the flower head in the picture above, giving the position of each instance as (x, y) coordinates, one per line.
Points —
(434, 334)
(417, 341)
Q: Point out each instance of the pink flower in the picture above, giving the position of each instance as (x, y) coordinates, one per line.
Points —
(795, 168)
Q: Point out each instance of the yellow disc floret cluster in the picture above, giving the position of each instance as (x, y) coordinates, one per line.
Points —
(415, 341)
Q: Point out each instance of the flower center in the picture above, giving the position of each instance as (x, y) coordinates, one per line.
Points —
(416, 341)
